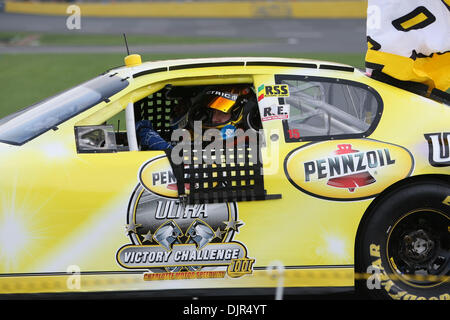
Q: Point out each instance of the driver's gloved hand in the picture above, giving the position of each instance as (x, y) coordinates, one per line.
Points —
(149, 138)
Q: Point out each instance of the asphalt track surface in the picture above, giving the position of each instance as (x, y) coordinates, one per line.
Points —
(293, 35)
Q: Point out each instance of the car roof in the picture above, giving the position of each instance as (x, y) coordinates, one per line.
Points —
(177, 64)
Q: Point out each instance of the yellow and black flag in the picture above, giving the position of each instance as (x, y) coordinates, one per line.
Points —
(409, 40)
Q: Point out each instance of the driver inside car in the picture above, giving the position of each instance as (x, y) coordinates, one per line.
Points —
(221, 108)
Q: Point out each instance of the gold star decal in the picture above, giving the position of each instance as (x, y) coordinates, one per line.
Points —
(147, 237)
(218, 234)
(132, 227)
(233, 225)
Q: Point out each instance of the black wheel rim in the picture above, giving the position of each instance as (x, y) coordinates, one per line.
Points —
(418, 248)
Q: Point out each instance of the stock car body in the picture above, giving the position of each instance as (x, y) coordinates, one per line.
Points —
(350, 187)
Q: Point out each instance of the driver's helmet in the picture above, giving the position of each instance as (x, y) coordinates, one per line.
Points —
(221, 108)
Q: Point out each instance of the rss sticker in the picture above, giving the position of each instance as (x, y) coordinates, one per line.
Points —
(173, 240)
(278, 90)
(347, 170)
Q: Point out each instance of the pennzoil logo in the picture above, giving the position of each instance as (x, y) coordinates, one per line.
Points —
(173, 240)
(349, 170)
(156, 176)
(439, 149)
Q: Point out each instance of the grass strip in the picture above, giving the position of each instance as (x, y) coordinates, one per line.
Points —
(26, 79)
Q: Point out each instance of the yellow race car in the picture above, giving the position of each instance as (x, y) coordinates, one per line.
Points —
(347, 184)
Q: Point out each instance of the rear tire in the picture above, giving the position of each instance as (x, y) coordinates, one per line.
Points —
(404, 244)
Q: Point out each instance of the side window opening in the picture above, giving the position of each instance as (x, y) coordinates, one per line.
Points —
(326, 107)
(222, 169)
(171, 108)
(231, 170)
(177, 107)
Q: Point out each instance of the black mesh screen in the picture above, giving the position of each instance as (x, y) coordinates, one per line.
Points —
(156, 108)
(224, 175)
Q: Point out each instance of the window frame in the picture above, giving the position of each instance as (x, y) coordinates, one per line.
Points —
(380, 107)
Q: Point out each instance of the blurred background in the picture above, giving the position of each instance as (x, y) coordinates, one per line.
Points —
(49, 46)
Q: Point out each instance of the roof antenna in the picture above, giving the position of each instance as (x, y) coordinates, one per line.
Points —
(131, 60)
(126, 43)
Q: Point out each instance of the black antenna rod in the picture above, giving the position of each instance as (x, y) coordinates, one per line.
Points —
(126, 44)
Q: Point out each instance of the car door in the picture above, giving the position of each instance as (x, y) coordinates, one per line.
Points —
(145, 217)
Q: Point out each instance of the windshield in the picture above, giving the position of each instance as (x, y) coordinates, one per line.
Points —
(33, 121)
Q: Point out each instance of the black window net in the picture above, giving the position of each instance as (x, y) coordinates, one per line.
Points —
(156, 108)
(225, 173)
(230, 173)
